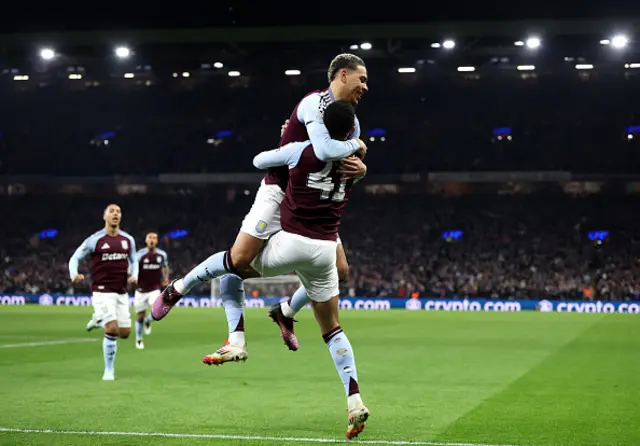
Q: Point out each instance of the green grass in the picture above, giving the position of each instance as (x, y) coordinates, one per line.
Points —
(498, 378)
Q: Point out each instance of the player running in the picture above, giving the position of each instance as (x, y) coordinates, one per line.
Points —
(153, 274)
(112, 254)
(315, 197)
(348, 81)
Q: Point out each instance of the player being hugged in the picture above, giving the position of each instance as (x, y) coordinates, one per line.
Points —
(310, 213)
(348, 81)
(153, 274)
(113, 255)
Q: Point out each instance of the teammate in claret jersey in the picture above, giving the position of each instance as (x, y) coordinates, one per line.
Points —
(113, 256)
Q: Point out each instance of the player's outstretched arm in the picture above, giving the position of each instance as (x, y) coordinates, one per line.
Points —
(287, 155)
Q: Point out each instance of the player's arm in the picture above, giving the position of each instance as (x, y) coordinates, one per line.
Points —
(83, 250)
(287, 155)
(331, 149)
(133, 261)
(165, 270)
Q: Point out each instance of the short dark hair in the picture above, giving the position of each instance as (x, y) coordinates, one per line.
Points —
(341, 61)
(339, 117)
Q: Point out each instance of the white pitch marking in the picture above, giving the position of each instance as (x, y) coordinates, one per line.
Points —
(242, 437)
(58, 342)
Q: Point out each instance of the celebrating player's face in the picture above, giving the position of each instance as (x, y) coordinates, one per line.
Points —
(357, 84)
(112, 215)
(151, 240)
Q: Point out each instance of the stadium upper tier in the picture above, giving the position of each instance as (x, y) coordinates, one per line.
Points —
(412, 123)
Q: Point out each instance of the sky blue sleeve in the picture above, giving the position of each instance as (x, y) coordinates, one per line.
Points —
(133, 259)
(356, 130)
(85, 249)
(287, 155)
(325, 148)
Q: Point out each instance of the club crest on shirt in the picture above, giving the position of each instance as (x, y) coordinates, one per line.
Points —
(261, 227)
(125, 244)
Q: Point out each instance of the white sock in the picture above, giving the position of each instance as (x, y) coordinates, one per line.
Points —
(344, 360)
(287, 310)
(179, 286)
(109, 349)
(236, 338)
(299, 299)
(139, 326)
(354, 401)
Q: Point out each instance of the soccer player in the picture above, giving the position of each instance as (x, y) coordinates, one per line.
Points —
(153, 274)
(112, 254)
(347, 77)
(310, 216)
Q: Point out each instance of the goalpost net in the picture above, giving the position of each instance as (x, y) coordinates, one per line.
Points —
(278, 286)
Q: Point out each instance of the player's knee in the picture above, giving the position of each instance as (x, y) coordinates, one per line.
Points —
(124, 333)
(242, 256)
(141, 316)
(111, 329)
(343, 271)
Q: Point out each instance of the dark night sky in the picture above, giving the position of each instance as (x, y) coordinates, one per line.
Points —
(31, 17)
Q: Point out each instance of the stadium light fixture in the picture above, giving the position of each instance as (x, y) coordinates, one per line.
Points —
(218, 65)
(406, 70)
(533, 43)
(526, 67)
(466, 69)
(354, 47)
(292, 73)
(122, 52)
(186, 74)
(632, 65)
(20, 77)
(518, 43)
(605, 42)
(619, 41)
(584, 66)
(436, 45)
(234, 73)
(129, 75)
(448, 44)
(47, 54)
(365, 46)
(75, 76)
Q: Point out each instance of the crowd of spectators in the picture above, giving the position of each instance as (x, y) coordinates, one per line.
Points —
(510, 246)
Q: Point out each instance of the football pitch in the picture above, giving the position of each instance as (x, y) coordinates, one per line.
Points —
(429, 378)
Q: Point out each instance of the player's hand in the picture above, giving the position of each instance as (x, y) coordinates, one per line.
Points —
(78, 278)
(132, 280)
(352, 167)
(284, 127)
(362, 150)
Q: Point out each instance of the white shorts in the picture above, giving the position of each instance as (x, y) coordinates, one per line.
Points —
(314, 261)
(263, 220)
(110, 307)
(142, 301)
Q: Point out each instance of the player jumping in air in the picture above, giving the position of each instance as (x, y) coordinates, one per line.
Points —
(112, 253)
(347, 75)
(316, 195)
(153, 274)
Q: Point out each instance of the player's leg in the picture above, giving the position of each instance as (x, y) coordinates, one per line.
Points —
(321, 281)
(123, 313)
(104, 305)
(153, 296)
(262, 221)
(278, 257)
(283, 314)
(235, 347)
(140, 303)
